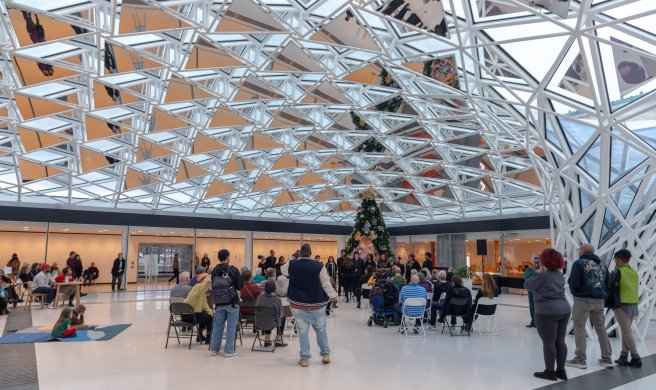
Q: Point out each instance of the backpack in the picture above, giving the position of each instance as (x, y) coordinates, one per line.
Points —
(223, 288)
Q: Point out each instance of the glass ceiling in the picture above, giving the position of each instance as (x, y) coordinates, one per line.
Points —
(292, 108)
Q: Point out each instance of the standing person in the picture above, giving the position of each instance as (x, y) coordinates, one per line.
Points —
(625, 279)
(428, 261)
(70, 261)
(118, 268)
(176, 269)
(552, 313)
(359, 270)
(205, 261)
(270, 261)
(261, 263)
(340, 264)
(279, 264)
(587, 281)
(309, 292)
(370, 262)
(347, 278)
(400, 265)
(409, 266)
(331, 267)
(383, 263)
(79, 269)
(528, 273)
(15, 264)
(226, 281)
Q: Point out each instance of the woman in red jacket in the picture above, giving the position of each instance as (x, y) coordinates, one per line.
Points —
(66, 277)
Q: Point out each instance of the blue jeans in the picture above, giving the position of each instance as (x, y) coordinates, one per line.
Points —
(222, 314)
(316, 318)
(46, 290)
(435, 307)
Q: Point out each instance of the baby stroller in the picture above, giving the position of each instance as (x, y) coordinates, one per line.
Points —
(382, 299)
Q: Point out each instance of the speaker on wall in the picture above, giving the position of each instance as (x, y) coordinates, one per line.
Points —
(481, 247)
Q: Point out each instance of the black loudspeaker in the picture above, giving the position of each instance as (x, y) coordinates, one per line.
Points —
(481, 247)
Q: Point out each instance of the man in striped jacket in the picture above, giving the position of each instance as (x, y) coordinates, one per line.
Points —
(309, 292)
(412, 290)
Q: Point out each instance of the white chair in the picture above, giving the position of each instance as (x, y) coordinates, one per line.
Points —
(289, 317)
(365, 291)
(413, 310)
(486, 307)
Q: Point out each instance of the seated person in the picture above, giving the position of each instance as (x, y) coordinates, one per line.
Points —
(249, 292)
(282, 285)
(269, 298)
(457, 291)
(63, 326)
(42, 284)
(398, 279)
(258, 278)
(489, 289)
(3, 303)
(24, 275)
(412, 290)
(77, 317)
(182, 289)
(66, 276)
(427, 285)
(199, 270)
(90, 274)
(9, 288)
(442, 286)
(270, 275)
(197, 298)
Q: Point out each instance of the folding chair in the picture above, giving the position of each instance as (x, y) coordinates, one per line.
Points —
(413, 309)
(264, 317)
(365, 293)
(246, 319)
(486, 307)
(289, 318)
(457, 307)
(32, 296)
(178, 310)
(429, 302)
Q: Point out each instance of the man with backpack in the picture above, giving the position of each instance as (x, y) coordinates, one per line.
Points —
(226, 281)
(588, 281)
(309, 292)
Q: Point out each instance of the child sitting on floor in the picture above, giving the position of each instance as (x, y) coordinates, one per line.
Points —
(63, 327)
(77, 317)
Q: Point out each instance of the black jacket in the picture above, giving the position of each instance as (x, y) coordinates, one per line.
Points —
(347, 277)
(589, 277)
(427, 264)
(455, 292)
(409, 267)
(270, 262)
(439, 288)
(119, 267)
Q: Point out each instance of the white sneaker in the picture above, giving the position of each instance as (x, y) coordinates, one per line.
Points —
(431, 328)
(213, 353)
(48, 307)
(230, 354)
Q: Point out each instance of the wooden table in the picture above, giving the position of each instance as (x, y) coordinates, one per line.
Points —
(77, 292)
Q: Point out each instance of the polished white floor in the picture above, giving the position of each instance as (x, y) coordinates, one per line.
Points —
(362, 357)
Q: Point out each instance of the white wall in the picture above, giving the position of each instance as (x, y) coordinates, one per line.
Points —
(30, 247)
(211, 246)
(98, 248)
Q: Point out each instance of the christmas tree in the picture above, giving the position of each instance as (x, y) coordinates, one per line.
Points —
(369, 222)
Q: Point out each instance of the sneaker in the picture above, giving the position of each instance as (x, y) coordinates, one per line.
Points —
(325, 359)
(431, 328)
(606, 362)
(303, 363)
(214, 353)
(230, 354)
(577, 363)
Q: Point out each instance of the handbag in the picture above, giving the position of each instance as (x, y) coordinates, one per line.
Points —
(613, 298)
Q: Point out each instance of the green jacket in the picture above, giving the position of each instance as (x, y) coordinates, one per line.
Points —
(628, 284)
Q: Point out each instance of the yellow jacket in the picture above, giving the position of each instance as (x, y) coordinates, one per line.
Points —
(198, 297)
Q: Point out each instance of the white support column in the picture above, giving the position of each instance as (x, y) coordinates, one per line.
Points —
(249, 261)
(125, 249)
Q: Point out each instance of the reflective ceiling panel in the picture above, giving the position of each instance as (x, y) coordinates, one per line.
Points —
(290, 109)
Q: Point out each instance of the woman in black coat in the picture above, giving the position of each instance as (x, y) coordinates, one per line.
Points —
(347, 278)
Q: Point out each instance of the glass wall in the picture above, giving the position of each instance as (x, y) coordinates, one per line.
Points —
(521, 247)
(163, 243)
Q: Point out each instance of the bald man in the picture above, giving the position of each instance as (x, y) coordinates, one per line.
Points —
(412, 290)
(588, 281)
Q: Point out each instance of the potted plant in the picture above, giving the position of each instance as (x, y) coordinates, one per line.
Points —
(466, 274)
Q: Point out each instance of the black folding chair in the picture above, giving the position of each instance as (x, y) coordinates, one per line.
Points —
(457, 307)
(266, 319)
(246, 320)
(178, 310)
